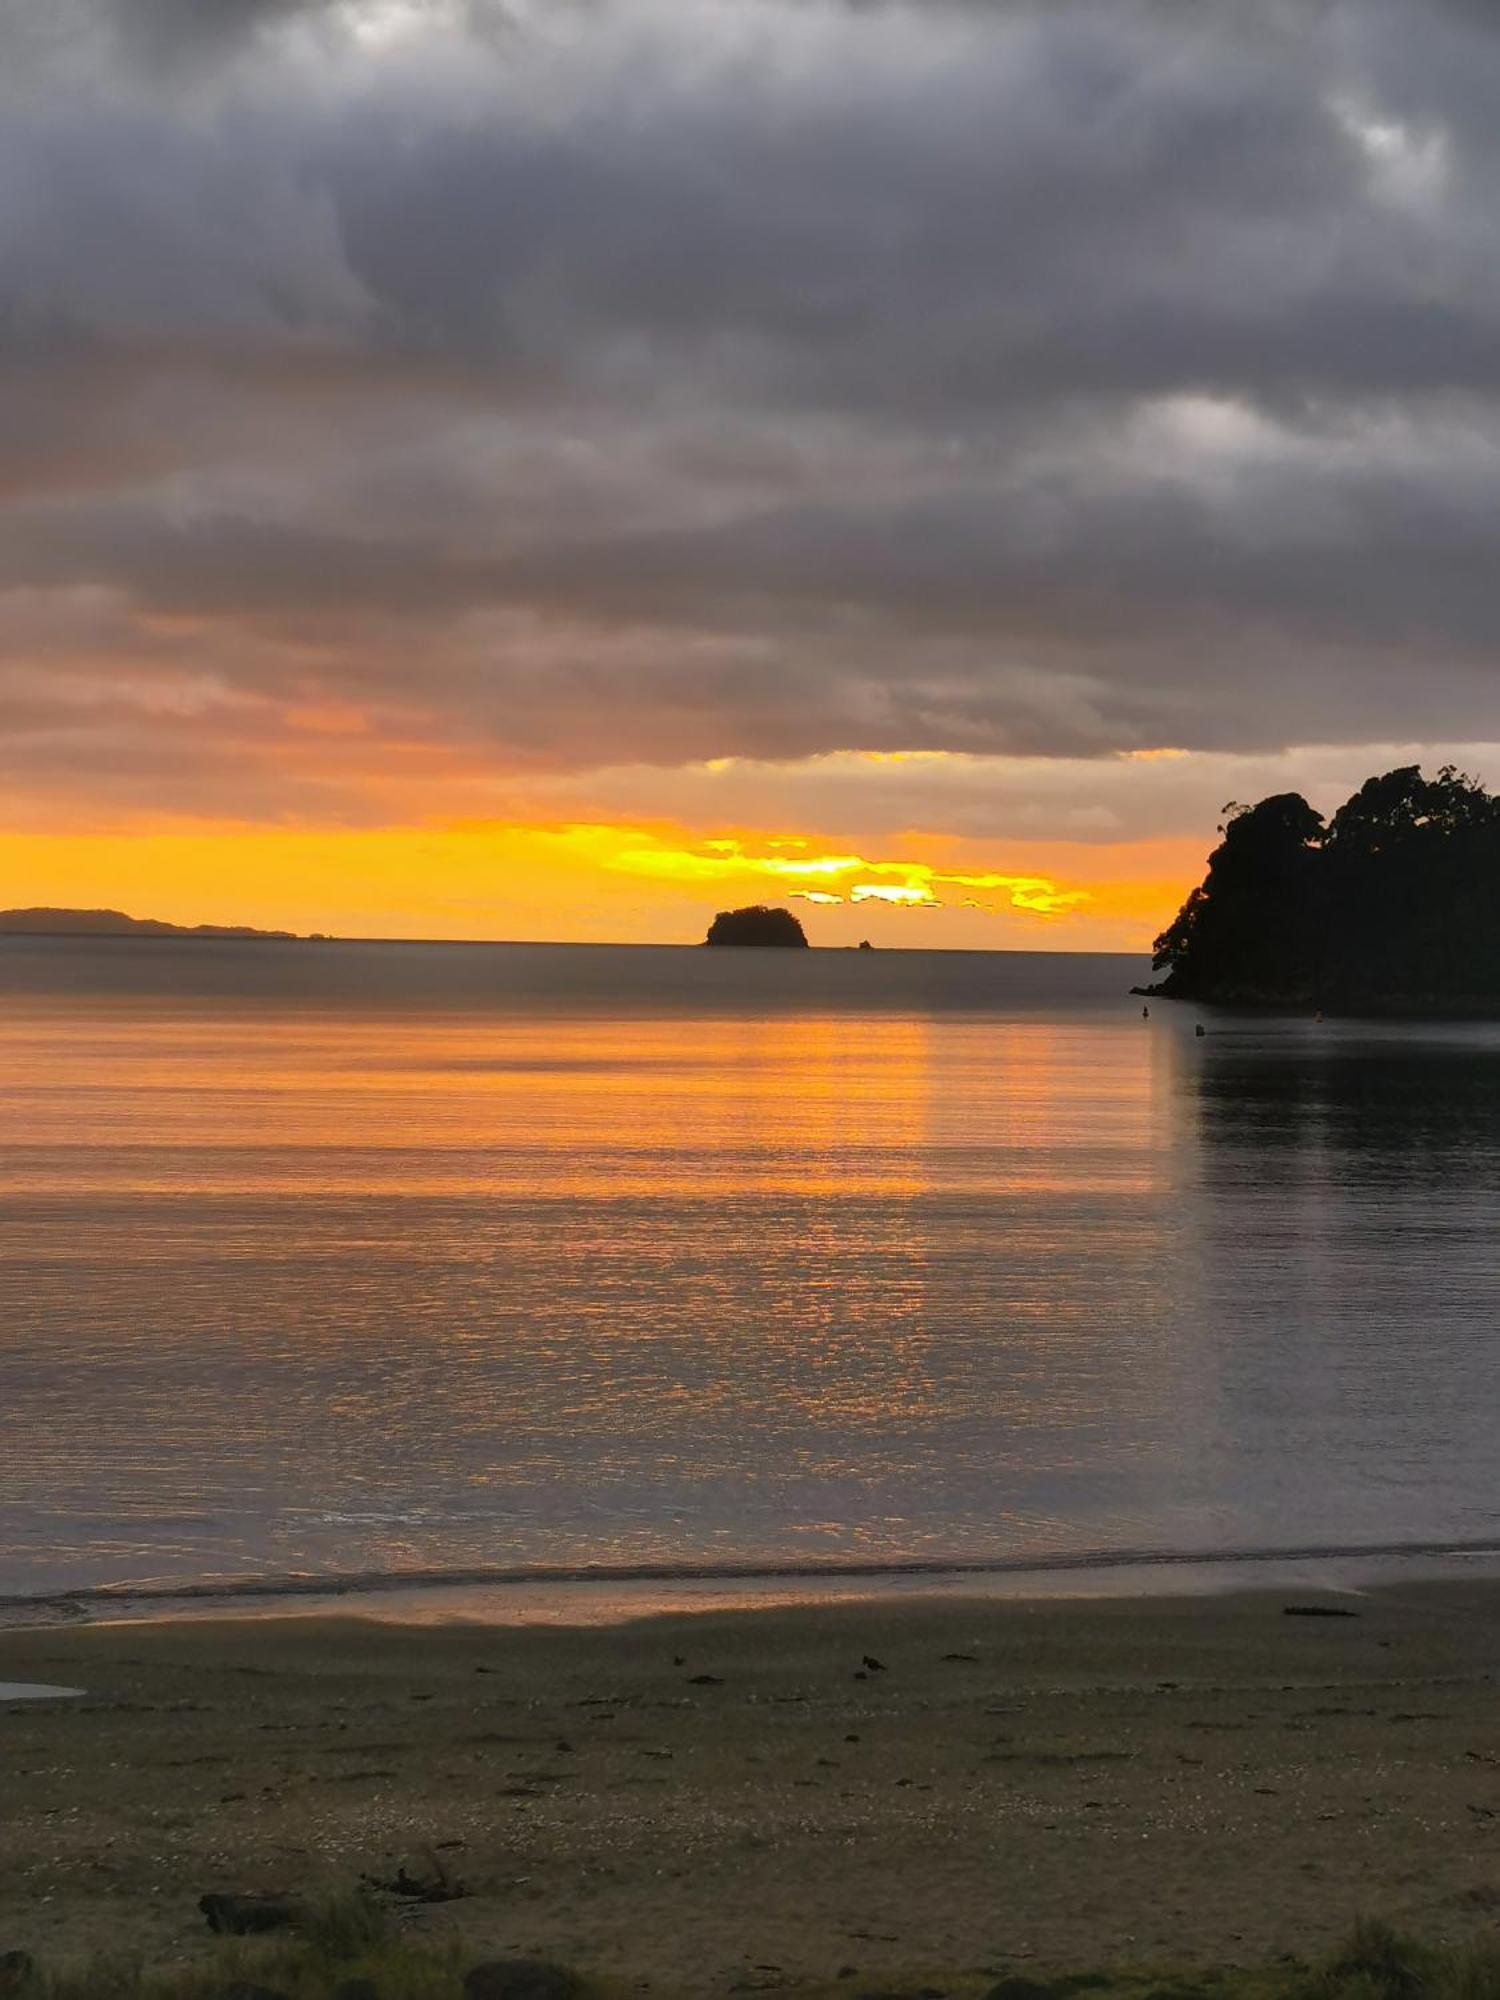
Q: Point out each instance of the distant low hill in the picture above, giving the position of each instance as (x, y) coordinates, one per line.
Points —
(114, 923)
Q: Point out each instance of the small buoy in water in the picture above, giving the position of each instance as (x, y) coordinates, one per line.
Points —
(1145, 1013)
(1200, 1029)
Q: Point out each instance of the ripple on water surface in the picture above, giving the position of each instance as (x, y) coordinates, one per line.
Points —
(379, 1259)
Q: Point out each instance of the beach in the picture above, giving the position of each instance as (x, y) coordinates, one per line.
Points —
(867, 1793)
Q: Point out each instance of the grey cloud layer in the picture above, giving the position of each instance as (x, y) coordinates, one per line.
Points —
(639, 381)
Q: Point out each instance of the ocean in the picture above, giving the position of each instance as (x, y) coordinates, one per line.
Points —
(333, 1263)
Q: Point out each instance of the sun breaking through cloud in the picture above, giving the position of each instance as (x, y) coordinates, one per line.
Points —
(829, 879)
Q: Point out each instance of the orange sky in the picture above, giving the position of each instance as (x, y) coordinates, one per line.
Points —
(636, 882)
(421, 838)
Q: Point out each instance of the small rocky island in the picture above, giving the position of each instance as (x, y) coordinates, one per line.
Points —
(1392, 906)
(757, 925)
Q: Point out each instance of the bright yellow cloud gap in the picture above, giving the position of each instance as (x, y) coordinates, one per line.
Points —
(821, 878)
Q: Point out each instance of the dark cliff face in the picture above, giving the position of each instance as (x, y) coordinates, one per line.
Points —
(757, 925)
(1393, 905)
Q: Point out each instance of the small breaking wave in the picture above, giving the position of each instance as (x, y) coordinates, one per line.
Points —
(136, 1598)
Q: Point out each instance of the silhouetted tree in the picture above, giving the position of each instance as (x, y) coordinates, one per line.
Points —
(756, 925)
(1249, 928)
(1396, 901)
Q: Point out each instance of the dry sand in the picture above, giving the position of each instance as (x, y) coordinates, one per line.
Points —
(1024, 1786)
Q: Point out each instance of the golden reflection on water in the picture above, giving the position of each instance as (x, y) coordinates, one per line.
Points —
(658, 1259)
(813, 1104)
(387, 1289)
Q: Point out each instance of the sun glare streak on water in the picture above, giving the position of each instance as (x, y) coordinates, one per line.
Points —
(362, 1258)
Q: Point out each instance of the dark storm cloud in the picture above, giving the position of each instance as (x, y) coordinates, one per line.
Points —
(633, 380)
(170, 32)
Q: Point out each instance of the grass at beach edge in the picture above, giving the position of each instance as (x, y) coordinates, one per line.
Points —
(351, 1947)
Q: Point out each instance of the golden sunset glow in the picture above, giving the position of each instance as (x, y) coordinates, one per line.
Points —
(598, 881)
(829, 879)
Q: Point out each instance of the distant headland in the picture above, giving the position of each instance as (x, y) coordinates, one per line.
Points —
(757, 925)
(114, 923)
(1391, 906)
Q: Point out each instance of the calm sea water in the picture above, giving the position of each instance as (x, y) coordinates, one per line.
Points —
(398, 1258)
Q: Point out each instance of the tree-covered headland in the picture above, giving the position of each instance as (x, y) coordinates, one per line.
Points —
(1392, 904)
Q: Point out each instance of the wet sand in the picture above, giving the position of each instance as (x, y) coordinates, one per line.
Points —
(737, 1801)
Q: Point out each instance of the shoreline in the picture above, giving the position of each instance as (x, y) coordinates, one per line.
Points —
(965, 1783)
(1413, 1010)
(589, 1595)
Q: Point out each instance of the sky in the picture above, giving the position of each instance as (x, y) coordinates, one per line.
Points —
(556, 468)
